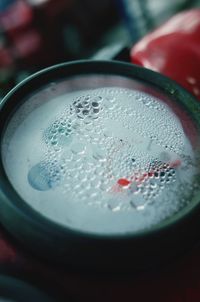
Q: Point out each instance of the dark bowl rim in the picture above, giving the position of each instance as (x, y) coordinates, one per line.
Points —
(15, 288)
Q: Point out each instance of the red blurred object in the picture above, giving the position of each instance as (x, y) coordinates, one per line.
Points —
(174, 50)
(27, 43)
(6, 60)
(16, 16)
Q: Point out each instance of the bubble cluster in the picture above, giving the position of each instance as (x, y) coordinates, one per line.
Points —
(87, 107)
(114, 151)
(94, 162)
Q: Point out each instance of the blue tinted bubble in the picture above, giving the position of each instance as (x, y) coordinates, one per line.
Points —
(62, 137)
(40, 178)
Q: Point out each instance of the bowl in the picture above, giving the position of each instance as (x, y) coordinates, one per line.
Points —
(99, 166)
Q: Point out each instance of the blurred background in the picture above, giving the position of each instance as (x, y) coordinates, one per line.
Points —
(38, 33)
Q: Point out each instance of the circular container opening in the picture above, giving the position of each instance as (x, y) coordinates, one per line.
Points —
(103, 153)
(99, 162)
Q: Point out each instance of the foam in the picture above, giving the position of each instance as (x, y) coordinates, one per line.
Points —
(107, 160)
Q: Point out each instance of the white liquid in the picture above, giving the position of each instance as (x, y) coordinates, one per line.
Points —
(107, 160)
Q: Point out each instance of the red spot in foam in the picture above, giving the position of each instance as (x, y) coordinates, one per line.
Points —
(175, 163)
(123, 182)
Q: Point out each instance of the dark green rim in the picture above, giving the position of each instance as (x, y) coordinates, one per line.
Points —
(19, 291)
(42, 228)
